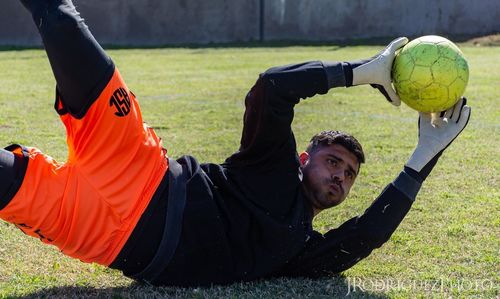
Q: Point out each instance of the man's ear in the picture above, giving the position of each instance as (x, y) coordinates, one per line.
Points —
(304, 158)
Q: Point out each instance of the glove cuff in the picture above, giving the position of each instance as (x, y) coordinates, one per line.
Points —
(426, 170)
(350, 65)
(335, 74)
(347, 73)
(414, 174)
(407, 184)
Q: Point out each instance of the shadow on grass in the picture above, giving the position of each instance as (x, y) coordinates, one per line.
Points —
(336, 44)
(333, 287)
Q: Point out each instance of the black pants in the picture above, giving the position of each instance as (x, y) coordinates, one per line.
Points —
(80, 66)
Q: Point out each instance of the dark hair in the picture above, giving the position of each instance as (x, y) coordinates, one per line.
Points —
(337, 137)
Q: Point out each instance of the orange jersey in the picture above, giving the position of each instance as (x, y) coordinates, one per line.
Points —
(89, 206)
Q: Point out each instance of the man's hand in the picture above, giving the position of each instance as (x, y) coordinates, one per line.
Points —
(376, 71)
(433, 140)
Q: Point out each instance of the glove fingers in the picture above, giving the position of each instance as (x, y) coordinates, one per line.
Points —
(388, 93)
(462, 123)
(395, 100)
(448, 113)
(464, 118)
(456, 110)
(397, 43)
(433, 141)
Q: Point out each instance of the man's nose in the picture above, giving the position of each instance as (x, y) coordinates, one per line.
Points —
(338, 175)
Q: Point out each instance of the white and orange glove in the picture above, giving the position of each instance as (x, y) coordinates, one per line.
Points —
(433, 140)
(376, 71)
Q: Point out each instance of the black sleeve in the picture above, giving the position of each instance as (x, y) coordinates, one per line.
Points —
(341, 248)
(267, 134)
(12, 171)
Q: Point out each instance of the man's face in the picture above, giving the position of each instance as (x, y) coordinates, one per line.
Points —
(329, 173)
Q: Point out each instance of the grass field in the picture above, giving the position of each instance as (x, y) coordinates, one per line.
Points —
(448, 246)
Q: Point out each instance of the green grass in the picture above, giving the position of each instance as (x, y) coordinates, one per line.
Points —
(194, 99)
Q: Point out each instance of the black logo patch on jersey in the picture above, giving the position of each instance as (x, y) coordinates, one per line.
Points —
(121, 101)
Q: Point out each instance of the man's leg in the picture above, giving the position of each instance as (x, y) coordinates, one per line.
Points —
(81, 68)
(89, 206)
(80, 65)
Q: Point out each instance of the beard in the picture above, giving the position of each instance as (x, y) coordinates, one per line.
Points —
(322, 195)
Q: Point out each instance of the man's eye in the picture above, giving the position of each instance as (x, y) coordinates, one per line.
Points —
(332, 162)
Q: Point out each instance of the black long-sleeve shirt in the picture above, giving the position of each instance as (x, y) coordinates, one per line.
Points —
(249, 218)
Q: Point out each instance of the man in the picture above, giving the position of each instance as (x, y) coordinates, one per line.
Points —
(120, 202)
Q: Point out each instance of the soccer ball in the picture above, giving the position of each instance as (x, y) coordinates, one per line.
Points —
(430, 74)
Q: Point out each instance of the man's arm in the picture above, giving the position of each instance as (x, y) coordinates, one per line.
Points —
(267, 134)
(341, 248)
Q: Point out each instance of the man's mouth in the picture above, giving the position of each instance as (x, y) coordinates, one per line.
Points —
(334, 188)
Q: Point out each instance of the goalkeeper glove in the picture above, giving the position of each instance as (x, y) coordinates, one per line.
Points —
(433, 140)
(376, 71)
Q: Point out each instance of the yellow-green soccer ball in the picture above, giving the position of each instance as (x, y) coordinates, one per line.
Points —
(430, 74)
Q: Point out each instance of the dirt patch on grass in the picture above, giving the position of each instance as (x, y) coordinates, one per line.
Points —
(485, 41)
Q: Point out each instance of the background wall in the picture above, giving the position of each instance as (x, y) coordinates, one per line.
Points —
(158, 22)
(339, 19)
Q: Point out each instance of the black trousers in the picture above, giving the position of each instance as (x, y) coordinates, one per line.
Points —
(80, 66)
